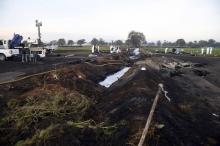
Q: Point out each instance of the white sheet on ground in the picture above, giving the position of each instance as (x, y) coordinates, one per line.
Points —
(92, 55)
(136, 51)
(109, 80)
(143, 68)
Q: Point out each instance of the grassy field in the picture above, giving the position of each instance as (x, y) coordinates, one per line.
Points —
(197, 51)
(87, 49)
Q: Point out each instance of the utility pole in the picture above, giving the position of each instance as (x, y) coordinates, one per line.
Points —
(38, 25)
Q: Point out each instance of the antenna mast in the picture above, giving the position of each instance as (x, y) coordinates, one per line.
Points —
(38, 25)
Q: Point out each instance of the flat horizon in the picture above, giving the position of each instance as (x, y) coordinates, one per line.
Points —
(158, 20)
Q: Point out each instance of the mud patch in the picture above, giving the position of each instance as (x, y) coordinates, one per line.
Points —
(202, 73)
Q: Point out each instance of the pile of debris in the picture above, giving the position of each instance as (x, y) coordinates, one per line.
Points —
(70, 107)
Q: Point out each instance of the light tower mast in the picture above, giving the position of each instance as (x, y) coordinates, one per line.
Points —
(38, 25)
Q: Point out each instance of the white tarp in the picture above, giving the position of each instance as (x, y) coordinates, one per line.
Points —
(136, 51)
(109, 80)
(92, 55)
(143, 68)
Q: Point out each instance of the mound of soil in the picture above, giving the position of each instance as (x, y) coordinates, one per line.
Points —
(69, 107)
(193, 103)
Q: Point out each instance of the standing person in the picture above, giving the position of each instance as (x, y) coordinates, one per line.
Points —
(166, 50)
(23, 54)
(35, 57)
(210, 51)
(93, 49)
(202, 51)
(98, 49)
(31, 57)
(207, 50)
(26, 54)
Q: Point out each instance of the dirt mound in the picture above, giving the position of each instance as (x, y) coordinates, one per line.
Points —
(83, 77)
(69, 107)
(53, 115)
(181, 121)
(58, 101)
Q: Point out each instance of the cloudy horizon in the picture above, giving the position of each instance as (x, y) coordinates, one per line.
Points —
(111, 20)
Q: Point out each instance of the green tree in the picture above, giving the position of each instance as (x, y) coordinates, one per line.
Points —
(119, 42)
(53, 42)
(164, 44)
(81, 41)
(94, 41)
(70, 42)
(151, 44)
(180, 43)
(190, 44)
(101, 42)
(61, 42)
(136, 39)
(159, 43)
(217, 44)
(128, 43)
(203, 43)
(211, 42)
(195, 44)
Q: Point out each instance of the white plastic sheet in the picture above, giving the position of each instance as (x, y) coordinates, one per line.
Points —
(109, 80)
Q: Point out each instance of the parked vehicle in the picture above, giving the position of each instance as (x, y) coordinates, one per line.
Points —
(5, 52)
(14, 48)
(10, 48)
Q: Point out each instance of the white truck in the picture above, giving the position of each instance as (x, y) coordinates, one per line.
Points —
(40, 51)
(5, 52)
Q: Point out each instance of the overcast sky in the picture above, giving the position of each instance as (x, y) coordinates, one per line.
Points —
(111, 19)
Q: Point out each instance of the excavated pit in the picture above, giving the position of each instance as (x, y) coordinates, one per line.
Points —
(70, 107)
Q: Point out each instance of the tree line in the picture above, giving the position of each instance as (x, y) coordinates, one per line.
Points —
(94, 41)
(191, 44)
(63, 42)
(137, 39)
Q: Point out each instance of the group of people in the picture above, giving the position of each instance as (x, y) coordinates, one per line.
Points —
(115, 49)
(95, 49)
(207, 51)
(28, 56)
(204, 51)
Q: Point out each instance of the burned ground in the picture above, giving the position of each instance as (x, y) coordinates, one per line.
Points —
(69, 107)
